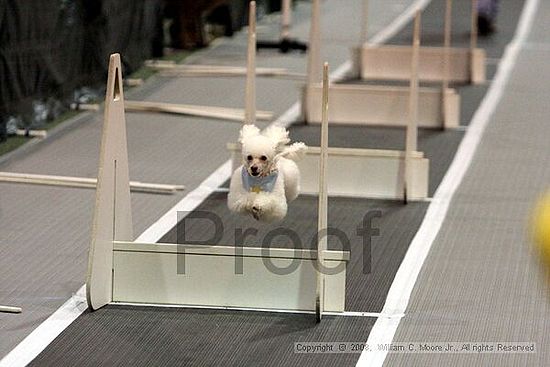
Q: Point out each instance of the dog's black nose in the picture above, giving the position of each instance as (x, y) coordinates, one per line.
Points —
(254, 170)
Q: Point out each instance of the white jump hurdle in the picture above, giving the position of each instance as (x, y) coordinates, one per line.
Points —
(391, 62)
(375, 104)
(370, 173)
(383, 106)
(122, 271)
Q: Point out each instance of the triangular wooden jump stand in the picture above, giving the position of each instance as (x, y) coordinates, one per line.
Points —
(113, 213)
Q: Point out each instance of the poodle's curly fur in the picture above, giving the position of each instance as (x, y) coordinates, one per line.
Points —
(266, 153)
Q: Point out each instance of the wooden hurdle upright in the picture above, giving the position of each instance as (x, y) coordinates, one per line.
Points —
(322, 217)
(123, 271)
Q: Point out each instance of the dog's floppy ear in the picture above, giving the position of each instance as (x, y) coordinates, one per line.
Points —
(278, 135)
(248, 131)
(293, 152)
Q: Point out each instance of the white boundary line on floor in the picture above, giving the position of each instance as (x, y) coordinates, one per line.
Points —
(400, 291)
(54, 325)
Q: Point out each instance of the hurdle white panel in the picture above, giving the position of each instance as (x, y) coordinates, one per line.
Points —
(382, 105)
(112, 214)
(368, 173)
(394, 63)
(148, 273)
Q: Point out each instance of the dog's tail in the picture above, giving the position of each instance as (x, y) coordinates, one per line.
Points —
(294, 151)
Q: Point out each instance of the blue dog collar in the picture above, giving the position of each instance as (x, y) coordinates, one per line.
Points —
(259, 184)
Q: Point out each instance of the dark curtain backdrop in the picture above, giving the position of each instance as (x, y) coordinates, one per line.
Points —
(50, 47)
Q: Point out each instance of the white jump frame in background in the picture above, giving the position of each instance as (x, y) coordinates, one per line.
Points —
(391, 62)
(374, 104)
(373, 173)
(123, 271)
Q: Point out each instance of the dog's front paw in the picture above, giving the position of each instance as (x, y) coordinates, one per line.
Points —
(256, 212)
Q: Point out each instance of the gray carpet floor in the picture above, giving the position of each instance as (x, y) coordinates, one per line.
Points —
(157, 337)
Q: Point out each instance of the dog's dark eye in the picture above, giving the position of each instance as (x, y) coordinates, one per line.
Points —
(263, 158)
(249, 157)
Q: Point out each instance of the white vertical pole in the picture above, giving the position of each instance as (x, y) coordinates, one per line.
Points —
(473, 40)
(473, 27)
(412, 126)
(250, 93)
(286, 19)
(446, 60)
(322, 222)
(313, 61)
(364, 23)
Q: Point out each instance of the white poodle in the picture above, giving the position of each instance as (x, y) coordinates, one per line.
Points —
(268, 177)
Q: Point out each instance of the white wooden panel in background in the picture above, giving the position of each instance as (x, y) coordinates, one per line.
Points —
(365, 173)
(394, 63)
(382, 105)
(369, 173)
